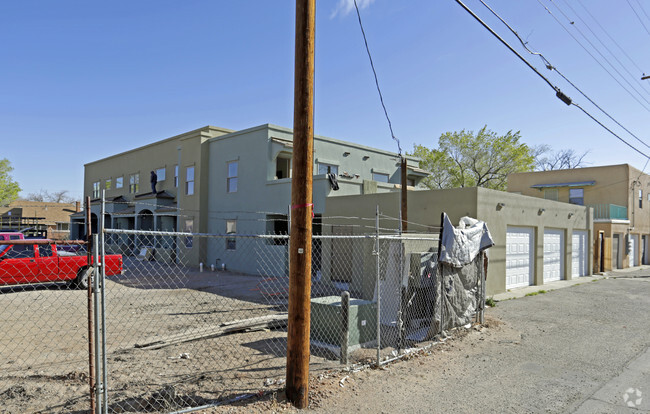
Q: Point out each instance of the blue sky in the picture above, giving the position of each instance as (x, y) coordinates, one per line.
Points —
(83, 80)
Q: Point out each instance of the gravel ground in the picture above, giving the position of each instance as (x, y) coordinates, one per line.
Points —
(580, 349)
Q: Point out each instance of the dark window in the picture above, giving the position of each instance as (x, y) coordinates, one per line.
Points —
(577, 196)
(277, 224)
(18, 251)
(45, 250)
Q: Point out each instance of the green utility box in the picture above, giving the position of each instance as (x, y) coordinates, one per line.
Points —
(326, 323)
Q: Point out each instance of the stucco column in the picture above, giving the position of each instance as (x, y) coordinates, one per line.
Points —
(539, 256)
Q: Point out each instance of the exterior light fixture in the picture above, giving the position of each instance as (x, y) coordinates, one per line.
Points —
(500, 206)
(571, 215)
(345, 154)
(541, 211)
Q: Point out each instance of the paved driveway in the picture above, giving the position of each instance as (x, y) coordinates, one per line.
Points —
(580, 349)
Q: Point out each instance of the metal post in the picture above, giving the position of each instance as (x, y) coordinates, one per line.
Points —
(95, 283)
(378, 284)
(404, 204)
(484, 287)
(91, 346)
(402, 293)
(102, 252)
(345, 326)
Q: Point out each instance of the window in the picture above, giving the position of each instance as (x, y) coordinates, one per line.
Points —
(175, 176)
(640, 198)
(44, 250)
(277, 224)
(18, 251)
(577, 196)
(109, 184)
(62, 226)
(231, 183)
(96, 189)
(134, 183)
(189, 228)
(282, 167)
(324, 168)
(160, 173)
(551, 194)
(380, 177)
(231, 228)
(119, 182)
(189, 181)
(410, 182)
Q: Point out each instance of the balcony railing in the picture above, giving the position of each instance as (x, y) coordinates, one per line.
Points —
(609, 212)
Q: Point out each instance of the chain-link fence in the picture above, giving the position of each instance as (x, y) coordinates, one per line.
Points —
(190, 320)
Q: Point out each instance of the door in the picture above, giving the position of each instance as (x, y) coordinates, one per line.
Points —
(634, 244)
(616, 249)
(18, 265)
(579, 253)
(553, 255)
(519, 257)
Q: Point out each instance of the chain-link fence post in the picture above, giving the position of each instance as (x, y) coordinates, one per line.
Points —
(95, 283)
(378, 285)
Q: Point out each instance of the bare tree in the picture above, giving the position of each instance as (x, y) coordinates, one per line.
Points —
(566, 159)
(54, 197)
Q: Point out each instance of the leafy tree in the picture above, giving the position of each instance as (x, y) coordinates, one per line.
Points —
(9, 189)
(54, 197)
(484, 159)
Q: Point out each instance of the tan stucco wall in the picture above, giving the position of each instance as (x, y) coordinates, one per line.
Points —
(425, 208)
(614, 184)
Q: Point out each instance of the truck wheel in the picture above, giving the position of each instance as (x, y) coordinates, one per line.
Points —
(83, 278)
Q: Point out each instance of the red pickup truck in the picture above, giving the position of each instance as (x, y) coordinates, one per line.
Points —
(38, 261)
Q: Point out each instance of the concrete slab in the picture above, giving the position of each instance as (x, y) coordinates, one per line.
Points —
(523, 291)
(628, 391)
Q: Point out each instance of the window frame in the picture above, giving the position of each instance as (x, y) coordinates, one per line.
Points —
(232, 180)
(574, 199)
(376, 174)
(119, 182)
(333, 168)
(231, 228)
(161, 174)
(96, 189)
(134, 183)
(189, 183)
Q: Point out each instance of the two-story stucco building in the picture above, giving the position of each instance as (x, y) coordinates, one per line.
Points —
(219, 181)
(620, 197)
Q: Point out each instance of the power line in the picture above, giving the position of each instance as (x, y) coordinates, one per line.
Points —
(381, 98)
(610, 37)
(642, 9)
(609, 130)
(636, 78)
(559, 94)
(592, 56)
(549, 66)
(598, 51)
(638, 17)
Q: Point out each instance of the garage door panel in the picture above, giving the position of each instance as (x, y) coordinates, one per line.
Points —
(579, 251)
(519, 263)
(553, 255)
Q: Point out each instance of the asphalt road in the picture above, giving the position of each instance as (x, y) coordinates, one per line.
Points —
(580, 349)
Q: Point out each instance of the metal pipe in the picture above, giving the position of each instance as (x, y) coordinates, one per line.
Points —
(91, 346)
(102, 286)
(95, 283)
(378, 284)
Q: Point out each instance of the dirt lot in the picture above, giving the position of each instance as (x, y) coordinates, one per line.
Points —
(44, 343)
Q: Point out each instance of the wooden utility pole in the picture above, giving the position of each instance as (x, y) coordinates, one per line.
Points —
(404, 196)
(302, 207)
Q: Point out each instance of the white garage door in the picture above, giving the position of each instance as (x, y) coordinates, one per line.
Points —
(634, 243)
(519, 257)
(579, 253)
(553, 254)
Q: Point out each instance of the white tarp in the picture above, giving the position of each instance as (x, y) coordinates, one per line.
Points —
(460, 246)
